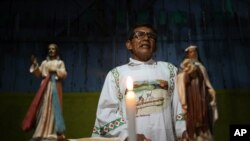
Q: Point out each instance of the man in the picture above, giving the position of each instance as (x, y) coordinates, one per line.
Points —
(158, 113)
(46, 108)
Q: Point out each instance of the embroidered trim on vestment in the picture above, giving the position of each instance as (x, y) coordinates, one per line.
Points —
(116, 77)
(103, 131)
(172, 74)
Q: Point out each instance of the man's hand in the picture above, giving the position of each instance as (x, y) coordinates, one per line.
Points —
(140, 137)
(184, 136)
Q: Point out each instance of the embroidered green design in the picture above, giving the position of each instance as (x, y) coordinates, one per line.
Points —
(180, 117)
(172, 75)
(104, 131)
(116, 77)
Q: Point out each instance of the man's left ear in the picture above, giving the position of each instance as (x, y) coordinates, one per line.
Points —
(128, 45)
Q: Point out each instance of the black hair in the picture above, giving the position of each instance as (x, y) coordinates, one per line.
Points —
(137, 25)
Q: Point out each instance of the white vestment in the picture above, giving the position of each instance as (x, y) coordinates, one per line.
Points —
(158, 116)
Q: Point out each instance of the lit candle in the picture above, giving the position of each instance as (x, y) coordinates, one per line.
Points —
(131, 110)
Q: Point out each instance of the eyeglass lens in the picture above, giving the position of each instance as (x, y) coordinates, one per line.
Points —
(141, 35)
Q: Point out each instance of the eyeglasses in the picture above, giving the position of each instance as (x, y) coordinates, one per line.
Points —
(141, 35)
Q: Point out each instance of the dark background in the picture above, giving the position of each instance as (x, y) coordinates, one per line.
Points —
(91, 35)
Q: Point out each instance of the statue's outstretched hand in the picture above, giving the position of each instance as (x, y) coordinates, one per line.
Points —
(33, 60)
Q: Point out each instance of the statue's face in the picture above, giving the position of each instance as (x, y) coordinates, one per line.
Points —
(52, 50)
(192, 53)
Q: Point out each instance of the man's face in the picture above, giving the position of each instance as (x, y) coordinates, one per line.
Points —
(143, 44)
(52, 51)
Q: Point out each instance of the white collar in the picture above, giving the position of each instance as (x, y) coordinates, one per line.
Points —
(134, 62)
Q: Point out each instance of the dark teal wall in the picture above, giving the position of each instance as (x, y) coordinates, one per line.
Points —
(91, 37)
(79, 113)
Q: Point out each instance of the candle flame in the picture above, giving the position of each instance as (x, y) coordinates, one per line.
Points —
(130, 95)
(130, 84)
